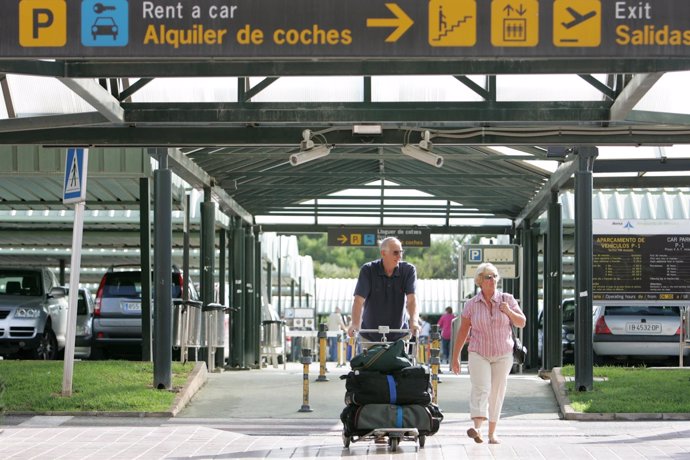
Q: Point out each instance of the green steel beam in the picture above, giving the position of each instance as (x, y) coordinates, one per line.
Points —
(64, 131)
(300, 113)
(355, 67)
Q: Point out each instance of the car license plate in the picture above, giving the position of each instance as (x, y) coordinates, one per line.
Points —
(643, 328)
(131, 306)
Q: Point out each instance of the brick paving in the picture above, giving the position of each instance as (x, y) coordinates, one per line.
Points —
(253, 415)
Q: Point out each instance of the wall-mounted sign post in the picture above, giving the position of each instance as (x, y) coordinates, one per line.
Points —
(74, 191)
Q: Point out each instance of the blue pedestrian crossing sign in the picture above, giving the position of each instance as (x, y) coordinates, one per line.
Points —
(74, 189)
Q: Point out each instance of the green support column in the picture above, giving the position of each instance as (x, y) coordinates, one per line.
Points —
(145, 262)
(258, 295)
(529, 294)
(220, 353)
(251, 319)
(162, 324)
(238, 322)
(553, 285)
(208, 255)
(231, 300)
(584, 377)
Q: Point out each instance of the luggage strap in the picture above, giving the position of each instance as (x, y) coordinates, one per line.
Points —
(391, 389)
(398, 417)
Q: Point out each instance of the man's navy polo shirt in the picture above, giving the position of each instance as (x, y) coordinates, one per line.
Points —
(384, 303)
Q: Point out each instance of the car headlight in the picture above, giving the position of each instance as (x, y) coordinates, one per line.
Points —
(82, 330)
(27, 312)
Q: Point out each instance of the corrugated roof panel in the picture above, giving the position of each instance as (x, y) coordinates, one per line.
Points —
(633, 204)
(42, 96)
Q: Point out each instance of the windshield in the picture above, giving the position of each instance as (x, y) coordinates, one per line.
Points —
(20, 282)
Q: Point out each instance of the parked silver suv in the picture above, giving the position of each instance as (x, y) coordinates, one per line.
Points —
(33, 313)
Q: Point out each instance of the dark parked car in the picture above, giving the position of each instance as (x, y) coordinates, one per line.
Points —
(117, 314)
(33, 313)
(567, 331)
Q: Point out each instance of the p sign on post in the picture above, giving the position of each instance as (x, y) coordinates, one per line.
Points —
(74, 191)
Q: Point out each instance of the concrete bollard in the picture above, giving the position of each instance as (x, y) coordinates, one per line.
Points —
(323, 350)
(306, 361)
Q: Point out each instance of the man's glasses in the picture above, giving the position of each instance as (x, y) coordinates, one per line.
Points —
(398, 253)
(490, 277)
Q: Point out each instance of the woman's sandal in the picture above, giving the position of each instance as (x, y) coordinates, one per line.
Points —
(474, 434)
(494, 440)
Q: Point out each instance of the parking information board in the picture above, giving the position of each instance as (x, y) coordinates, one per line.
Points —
(92, 29)
(372, 236)
(641, 260)
(504, 257)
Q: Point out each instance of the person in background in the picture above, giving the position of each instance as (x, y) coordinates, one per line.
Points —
(487, 319)
(424, 336)
(335, 324)
(385, 288)
(445, 323)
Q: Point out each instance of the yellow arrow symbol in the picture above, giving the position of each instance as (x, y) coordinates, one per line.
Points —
(342, 239)
(401, 22)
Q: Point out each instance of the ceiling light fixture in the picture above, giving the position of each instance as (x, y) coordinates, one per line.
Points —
(367, 129)
(309, 150)
(422, 151)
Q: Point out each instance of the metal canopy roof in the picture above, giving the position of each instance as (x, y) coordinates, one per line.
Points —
(239, 148)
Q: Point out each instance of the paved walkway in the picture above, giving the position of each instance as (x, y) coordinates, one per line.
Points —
(254, 414)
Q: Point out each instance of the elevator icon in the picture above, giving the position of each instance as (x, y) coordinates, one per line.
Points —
(515, 23)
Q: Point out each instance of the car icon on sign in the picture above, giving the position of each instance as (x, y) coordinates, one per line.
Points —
(104, 25)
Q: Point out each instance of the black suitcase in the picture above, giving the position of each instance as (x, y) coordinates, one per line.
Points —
(361, 420)
(411, 385)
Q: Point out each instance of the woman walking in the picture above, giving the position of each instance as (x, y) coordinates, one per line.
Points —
(487, 319)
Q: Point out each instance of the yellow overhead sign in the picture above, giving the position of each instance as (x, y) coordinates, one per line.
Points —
(452, 22)
(577, 23)
(359, 29)
(514, 22)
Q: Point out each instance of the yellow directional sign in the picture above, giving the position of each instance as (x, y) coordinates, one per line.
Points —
(452, 22)
(514, 22)
(401, 22)
(372, 236)
(577, 23)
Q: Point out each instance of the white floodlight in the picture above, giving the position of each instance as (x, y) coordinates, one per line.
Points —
(308, 150)
(422, 152)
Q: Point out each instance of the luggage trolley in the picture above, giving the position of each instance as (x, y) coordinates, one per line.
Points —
(394, 434)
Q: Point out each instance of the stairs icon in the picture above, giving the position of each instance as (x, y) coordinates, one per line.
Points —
(450, 29)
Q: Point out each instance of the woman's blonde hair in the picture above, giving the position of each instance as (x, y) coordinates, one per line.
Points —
(483, 268)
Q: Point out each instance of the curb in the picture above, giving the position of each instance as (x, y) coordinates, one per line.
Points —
(568, 413)
(196, 380)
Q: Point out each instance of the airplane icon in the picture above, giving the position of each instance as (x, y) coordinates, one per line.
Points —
(577, 18)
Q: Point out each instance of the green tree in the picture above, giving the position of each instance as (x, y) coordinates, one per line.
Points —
(439, 261)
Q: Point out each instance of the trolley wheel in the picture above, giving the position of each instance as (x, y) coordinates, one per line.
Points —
(393, 443)
(346, 440)
(422, 440)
